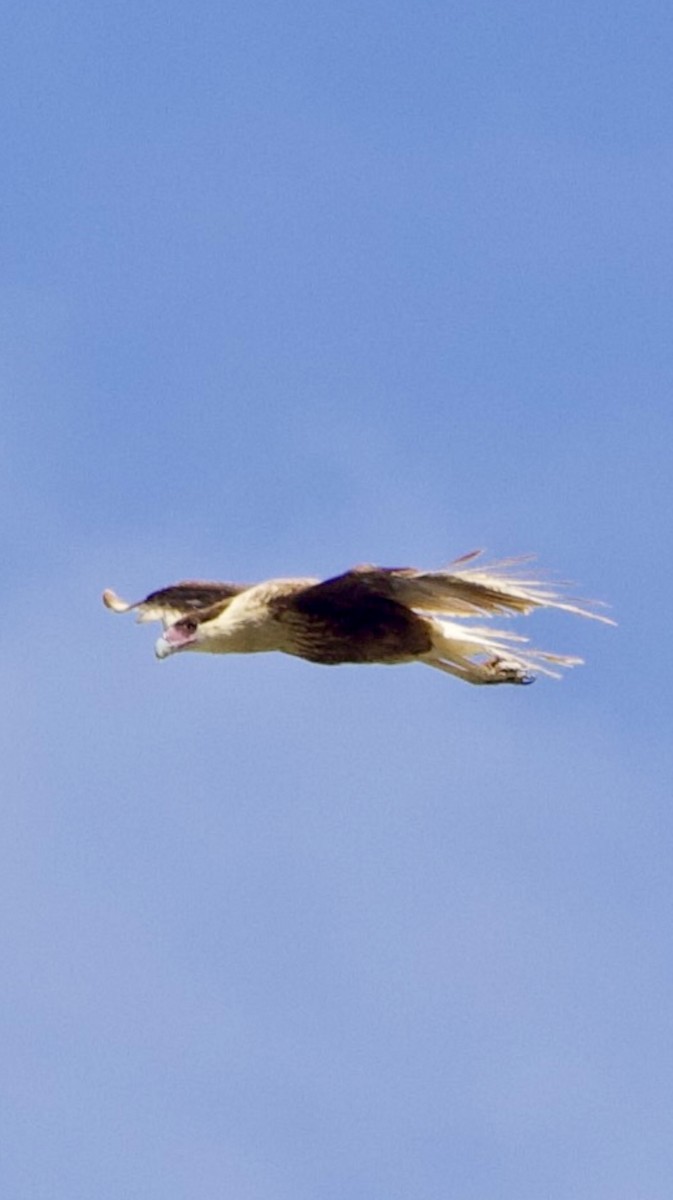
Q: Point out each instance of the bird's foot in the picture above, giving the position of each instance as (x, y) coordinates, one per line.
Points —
(501, 670)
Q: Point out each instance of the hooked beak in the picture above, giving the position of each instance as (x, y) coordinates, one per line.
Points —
(162, 648)
(172, 639)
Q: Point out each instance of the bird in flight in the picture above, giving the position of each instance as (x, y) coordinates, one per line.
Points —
(370, 614)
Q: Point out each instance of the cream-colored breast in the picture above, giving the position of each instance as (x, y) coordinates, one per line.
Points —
(250, 624)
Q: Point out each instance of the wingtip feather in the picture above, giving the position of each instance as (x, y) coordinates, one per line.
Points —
(114, 602)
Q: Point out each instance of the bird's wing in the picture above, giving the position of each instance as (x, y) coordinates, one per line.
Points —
(347, 616)
(465, 591)
(170, 603)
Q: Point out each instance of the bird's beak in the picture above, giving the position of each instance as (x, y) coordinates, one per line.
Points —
(162, 648)
(173, 638)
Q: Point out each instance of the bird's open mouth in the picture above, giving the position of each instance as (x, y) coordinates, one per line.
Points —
(173, 639)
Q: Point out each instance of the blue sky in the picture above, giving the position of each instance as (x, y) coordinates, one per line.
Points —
(286, 287)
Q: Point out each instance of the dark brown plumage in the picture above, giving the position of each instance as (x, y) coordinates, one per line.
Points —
(367, 615)
(344, 619)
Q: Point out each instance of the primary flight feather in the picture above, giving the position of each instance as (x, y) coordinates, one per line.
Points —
(369, 614)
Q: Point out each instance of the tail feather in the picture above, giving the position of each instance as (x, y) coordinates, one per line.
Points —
(486, 657)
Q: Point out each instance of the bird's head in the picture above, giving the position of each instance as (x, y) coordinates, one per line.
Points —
(195, 631)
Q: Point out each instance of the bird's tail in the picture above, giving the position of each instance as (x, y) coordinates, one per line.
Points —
(490, 656)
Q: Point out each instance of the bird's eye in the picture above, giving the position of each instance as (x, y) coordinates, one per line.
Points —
(189, 626)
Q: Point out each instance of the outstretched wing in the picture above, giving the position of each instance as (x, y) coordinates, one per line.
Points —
(500, 587)
(170, 603)
(345, 619)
